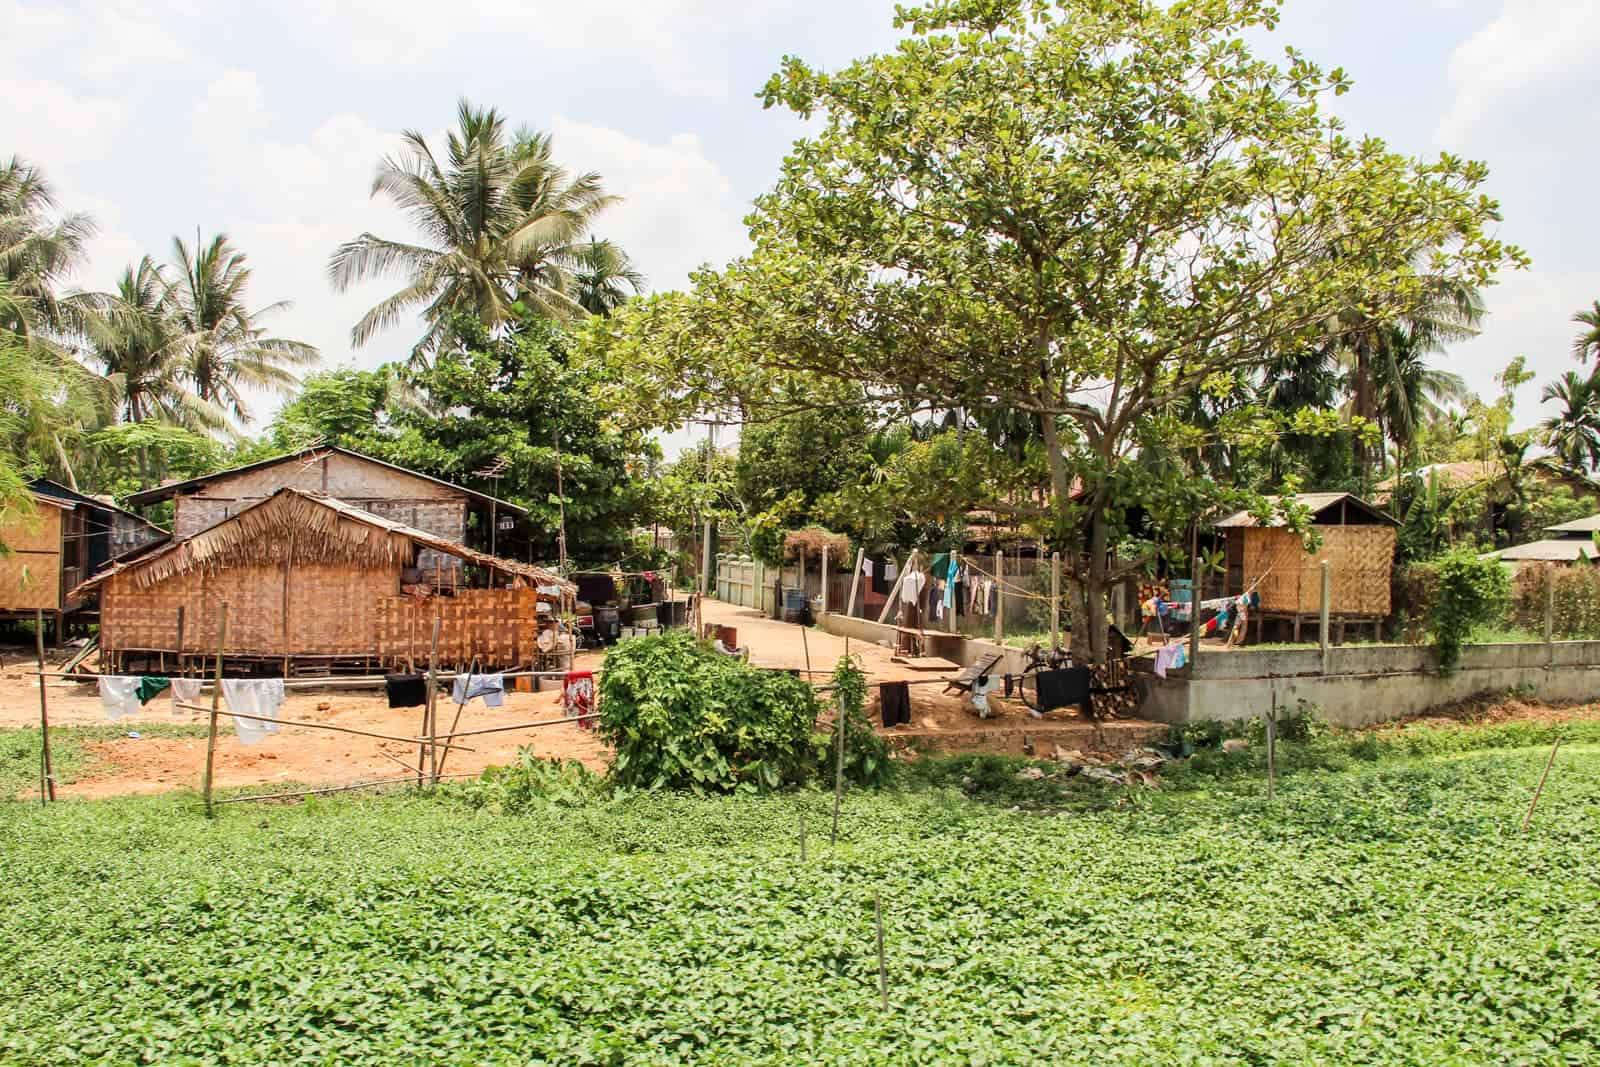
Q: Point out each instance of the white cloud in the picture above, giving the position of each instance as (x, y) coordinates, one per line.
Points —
(678, 209)
(1506, 73)
(668, 36)
(52, 125)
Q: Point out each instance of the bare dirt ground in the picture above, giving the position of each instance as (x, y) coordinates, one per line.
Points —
(943, 722)
(294, 754)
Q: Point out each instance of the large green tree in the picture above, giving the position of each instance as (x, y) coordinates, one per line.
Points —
(1087, 211)
(1587, 340)
(502, 229)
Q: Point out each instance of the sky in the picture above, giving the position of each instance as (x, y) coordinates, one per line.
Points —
(164, 117)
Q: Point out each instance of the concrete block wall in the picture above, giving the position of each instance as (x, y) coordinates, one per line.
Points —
(1367, 684)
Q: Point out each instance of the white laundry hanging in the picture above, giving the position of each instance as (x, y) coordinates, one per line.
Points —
(253, 696)
(185, 691)
(119, 695)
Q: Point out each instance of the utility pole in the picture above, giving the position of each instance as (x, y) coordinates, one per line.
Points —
(494, 472)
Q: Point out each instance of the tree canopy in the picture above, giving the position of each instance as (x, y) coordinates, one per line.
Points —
(1086, 213)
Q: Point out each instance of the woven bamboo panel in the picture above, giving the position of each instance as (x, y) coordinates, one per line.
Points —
(498, 627)
(31, 576)
(1362, 564)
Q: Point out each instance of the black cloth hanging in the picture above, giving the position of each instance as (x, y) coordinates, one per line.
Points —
(406, 690)
(894, 698)
(1062, 688)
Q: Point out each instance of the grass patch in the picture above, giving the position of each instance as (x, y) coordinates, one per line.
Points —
(69, 758)
(1385, 910)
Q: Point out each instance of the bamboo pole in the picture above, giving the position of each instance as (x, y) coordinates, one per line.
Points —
(802, 835)
(454, 723)
(47, 777)
(999, 598)
(1194, 597)
(216, 695)
(1549, 614)
(883, 970)
(838, 776)
(427, 704)
(954, 597)
(1323, 615)
(1055, 600)
(317, 726)
(183, 669)
(516, 726)
(824, 572)
(1272, 745)
(805, 643)
(899, 580)
(855, 582)
(336, 788)
(1528, 818)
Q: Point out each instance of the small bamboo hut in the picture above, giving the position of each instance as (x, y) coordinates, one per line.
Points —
(1357, 540)
(55, 540)
(314, 584)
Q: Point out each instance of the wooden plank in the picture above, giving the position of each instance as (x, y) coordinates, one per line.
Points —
(926, 663)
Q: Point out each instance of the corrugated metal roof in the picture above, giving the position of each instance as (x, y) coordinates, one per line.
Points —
(1551, 550)
(1317, 502)
(1576, 526)
(171, 489)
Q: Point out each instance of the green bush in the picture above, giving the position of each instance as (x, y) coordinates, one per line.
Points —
(866, 755)
(679, 714)
(1471, 592)
(532, 784)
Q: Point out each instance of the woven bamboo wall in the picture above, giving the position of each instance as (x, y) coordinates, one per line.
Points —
(30, 577)
(333, 610)
(1362, 566)
(497, 626)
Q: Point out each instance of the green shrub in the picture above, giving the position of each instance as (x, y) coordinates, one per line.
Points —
(679, 714)
(866, 755)
(1471, 592)
(532, 784)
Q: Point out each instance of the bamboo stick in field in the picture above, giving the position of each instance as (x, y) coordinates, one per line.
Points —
(838, 776)
(1528, 818)
(216, 695)
(883, 970)
(47, 778)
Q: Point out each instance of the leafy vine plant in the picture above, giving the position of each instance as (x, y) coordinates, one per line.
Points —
(1472, 591)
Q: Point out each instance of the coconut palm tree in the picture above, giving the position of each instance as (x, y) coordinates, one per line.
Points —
(135, 336)
(38, 247)
(1588, 339)
(604, 278)
(1573, 432)
(226, 350)
(501, 224)
(1408, 392)
(1369, 347)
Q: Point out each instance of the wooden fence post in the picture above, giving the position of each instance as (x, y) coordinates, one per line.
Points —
(999, 599)
(894, 591)
(425, 734)
(216, 695)
(1550, 614)
(855, 582)
(1326, 566)
(47, 776)
(1055, 600)
(824, 579)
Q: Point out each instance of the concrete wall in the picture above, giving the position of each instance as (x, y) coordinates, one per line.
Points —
(1366, 683)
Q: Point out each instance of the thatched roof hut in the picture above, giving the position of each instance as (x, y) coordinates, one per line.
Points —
(1357, 539)
(309, 578)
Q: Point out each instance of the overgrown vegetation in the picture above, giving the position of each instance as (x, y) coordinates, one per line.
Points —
(1388, 913)
(680, 715)
(1471, 592)
(866, 755)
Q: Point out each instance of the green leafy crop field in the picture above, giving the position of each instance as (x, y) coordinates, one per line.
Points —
(1387, 910)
